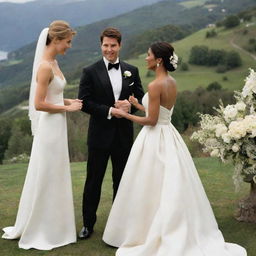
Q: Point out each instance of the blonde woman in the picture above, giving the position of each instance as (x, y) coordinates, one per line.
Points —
(45, 217)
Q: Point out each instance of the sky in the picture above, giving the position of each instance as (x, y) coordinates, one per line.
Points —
(16, 1)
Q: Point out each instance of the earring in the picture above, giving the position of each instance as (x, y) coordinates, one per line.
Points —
(157, 64)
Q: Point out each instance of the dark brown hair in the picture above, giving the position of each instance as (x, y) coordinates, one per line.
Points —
(111, 32)
(59, 29)
(164, 51)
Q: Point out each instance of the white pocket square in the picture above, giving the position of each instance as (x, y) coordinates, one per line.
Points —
(131, 84)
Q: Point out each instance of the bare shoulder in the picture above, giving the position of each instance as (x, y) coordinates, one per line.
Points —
(44, 68)
(172, 81)
(154, 88)
(154, 84)
(45, 72)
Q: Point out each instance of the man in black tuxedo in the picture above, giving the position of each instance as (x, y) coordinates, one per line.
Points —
(105, 86)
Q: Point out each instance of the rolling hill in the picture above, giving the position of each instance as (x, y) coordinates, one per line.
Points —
(20, 23)
(86, 44)
(15, 74)
(226, 39)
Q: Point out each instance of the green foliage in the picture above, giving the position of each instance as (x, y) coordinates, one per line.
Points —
(201, 100)
(251, 45)
(231, 21)
(12, 96)
(184, 66)
(216, 57)
(201, 55)
(150, 73)
(214, 86)
(211, 33)
(20, 140)
(5, 134)
(140, 43)
(77, 136)
(233, 60)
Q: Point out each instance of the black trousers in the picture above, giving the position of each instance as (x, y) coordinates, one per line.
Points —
(96, 168)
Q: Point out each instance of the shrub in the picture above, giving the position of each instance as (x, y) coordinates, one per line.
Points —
(231, 21)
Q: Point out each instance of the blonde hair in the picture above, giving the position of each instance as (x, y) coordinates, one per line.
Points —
(59, 29)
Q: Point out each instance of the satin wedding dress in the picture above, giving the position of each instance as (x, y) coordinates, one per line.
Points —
(45, 217)
(161, 208)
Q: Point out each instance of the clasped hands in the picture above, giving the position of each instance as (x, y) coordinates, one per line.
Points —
(122, 107)
(74, 105)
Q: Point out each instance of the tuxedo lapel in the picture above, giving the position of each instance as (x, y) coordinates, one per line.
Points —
(104, 78)
(125, 81)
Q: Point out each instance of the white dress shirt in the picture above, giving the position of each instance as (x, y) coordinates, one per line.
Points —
(115, 76)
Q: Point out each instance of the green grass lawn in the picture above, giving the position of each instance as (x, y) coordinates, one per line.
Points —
(216, 177)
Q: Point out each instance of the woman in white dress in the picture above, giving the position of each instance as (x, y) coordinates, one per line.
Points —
(161, 208)
(45, 217)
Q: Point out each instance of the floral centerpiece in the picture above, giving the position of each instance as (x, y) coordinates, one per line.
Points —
(231, 135)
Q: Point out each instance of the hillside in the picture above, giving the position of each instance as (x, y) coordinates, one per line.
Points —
(15, 74)
(227, 39)
(196, 76)
(86, 44)
(20, 23)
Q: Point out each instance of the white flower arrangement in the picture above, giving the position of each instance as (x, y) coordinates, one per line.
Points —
(174, 60)
(231, 134)
(127, 73)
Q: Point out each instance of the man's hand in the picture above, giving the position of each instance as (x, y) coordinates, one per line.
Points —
(124, 105)
(117, 112)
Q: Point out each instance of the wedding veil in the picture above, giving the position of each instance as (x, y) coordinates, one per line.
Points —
(33, 113)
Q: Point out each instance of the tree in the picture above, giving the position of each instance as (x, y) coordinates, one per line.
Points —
(5, 134)
(231, 21)
(199, 55)
(214, 86)
(202, 100)
(233, 60)
(184, 66)
(20, 140)
(211, 33)
(216, 57)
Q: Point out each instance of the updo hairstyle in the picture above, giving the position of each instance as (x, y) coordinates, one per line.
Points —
(59, 29)
(165, 51)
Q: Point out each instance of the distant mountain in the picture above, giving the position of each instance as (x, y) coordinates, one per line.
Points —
(86, 47)
(20, 23)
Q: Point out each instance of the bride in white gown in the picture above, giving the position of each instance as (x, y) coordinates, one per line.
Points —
(161, 208)
(45, 217)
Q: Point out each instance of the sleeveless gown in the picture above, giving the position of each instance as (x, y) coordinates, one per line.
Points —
(161, 208)
(45, 217)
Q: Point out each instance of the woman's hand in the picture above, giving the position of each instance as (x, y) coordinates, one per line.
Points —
(70, 101)
(133, 101)
(74, 105)
(118, 112)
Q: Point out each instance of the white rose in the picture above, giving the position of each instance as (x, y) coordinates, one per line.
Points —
(230, 112)
(215, 153)
(220, 129)
(226, 137)
(127, 73)
(237, 129)
(235, 147)
(240, 106)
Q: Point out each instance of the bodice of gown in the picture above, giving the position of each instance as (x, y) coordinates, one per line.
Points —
(55, 91)
(165, 114)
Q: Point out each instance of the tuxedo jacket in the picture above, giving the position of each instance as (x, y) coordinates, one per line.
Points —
(96, 91)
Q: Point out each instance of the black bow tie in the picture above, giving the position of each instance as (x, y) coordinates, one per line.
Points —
(116, 66)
